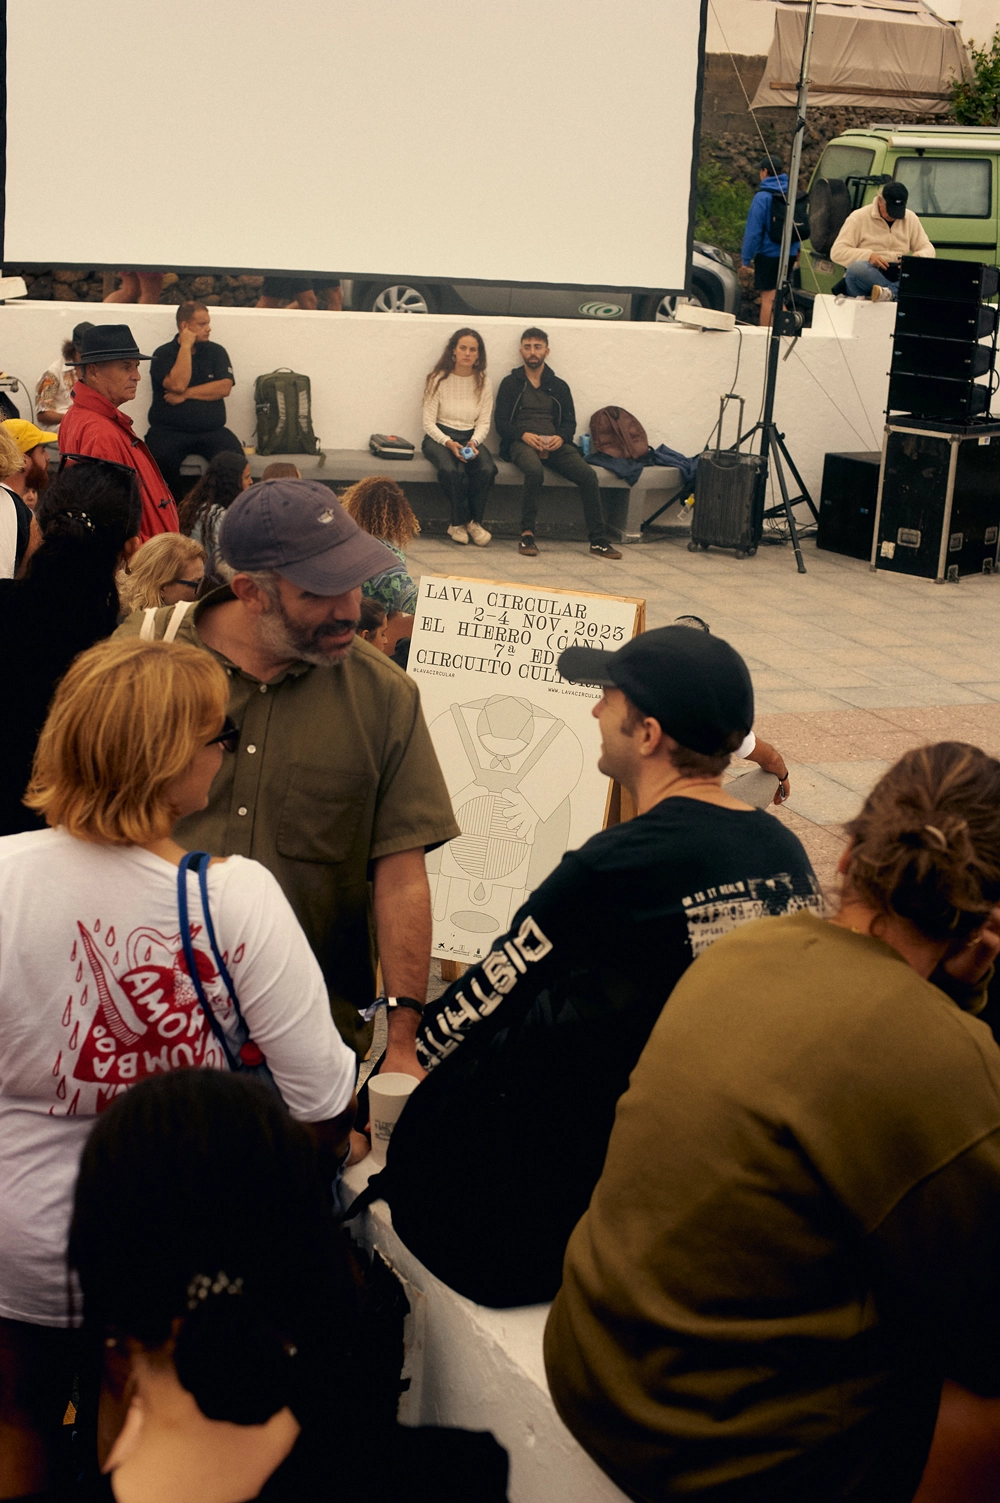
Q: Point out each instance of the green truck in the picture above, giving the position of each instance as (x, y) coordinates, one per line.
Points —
(952, 173)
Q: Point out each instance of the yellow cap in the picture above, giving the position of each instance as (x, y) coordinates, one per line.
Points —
(27, 436)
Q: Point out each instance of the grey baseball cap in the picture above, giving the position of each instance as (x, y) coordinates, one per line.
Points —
(300, 529)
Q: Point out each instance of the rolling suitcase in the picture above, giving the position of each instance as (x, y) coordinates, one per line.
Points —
(728, 496)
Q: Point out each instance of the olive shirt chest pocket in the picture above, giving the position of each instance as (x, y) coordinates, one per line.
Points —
(322, 812)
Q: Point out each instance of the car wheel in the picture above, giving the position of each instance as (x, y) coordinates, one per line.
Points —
(398, 297)
(660, 308)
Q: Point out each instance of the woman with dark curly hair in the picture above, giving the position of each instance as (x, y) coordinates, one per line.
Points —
(795, 1237)
(379, 506)
(205, 504)
(85, 528)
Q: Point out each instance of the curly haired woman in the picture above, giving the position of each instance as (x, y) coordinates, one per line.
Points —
(379, 506)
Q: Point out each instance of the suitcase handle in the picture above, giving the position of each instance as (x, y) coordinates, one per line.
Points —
(724, 401)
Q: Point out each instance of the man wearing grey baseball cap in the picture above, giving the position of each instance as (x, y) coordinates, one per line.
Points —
(334, 783)
(541, 1037)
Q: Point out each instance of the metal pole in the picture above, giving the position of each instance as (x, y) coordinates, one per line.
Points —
(796, 160)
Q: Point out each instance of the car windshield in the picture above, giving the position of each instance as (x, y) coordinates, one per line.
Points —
(845, 162)
(956, 187)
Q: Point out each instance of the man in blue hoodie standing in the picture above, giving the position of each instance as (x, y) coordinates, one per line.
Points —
(760, 249)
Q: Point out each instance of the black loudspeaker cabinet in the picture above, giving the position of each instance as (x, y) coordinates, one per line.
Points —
(938, 514)
(937, 397)
(936, 318)
(951, 359)
(847, 504)
(958, 281)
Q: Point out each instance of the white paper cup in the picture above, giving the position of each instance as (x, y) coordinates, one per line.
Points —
(387, 1095)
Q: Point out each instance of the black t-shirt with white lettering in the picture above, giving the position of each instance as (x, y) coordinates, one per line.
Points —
(209, 362)
(545, 1031)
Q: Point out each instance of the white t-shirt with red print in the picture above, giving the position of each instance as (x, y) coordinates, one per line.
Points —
(95, 995)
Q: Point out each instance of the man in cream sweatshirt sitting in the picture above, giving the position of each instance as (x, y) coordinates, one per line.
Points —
(872, 240)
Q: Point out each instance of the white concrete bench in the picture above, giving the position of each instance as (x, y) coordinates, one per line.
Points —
(561, 516)
(481, 1369)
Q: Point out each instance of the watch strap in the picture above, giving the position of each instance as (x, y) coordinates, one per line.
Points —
(410, 1002)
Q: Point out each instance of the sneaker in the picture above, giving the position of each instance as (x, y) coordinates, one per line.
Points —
(883, 294)
(604, 550)
(458, 534)
(478, 534)
(527, 545)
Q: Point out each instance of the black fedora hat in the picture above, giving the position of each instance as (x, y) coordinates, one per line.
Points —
(108, 342)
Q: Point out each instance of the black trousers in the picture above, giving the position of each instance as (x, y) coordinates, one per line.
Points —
(170, 447)
(466, 483)
(570, 463)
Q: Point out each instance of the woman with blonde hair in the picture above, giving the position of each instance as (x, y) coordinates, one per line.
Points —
(458, 411)
(380, 506)
(166, 569)
(15, 514)
(795, 1237)
(103, 984)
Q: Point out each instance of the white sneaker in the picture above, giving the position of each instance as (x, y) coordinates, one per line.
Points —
(883, 294)
(478, 534)
(458, 534)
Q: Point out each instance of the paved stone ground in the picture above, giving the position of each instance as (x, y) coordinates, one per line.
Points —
(850, 668)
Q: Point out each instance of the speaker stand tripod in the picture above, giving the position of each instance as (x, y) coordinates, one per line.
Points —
(772, 443)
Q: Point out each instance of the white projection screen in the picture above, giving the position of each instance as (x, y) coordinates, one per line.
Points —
(542, 142)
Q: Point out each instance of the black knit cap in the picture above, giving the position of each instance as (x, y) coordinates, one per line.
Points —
(694, 684)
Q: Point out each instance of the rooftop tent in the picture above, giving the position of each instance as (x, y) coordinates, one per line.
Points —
(883, 54)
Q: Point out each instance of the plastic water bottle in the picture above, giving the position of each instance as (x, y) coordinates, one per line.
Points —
(584, 444)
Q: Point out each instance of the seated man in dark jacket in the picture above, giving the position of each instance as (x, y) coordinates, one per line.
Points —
(192, 377)
(536, 421)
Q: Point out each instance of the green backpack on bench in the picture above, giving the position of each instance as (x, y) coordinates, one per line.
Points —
(283, 402)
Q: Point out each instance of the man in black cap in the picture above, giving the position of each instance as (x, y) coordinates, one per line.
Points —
(872, 240)
(536, 1043)
(95, 428)
(192, 376)
(335, 783)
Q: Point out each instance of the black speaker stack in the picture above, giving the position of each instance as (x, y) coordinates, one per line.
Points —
(938, 510)
(945, 340)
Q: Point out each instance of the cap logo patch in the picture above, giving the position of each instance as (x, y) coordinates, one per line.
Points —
(325, 516)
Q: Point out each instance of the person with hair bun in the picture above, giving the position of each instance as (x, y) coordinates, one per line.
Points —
(208, 500)
(224, 1301)
(85, 529)
(96, 989)
(795, 1237)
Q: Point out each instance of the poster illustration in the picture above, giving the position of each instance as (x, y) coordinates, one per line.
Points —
(517, 744)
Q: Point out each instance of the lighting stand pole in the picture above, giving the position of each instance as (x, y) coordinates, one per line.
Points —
(785, 320)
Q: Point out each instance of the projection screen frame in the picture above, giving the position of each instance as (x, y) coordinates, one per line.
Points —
(362, 276)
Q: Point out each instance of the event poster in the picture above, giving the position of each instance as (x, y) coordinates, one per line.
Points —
(517, 744)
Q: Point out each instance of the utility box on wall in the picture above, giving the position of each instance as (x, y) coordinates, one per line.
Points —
(938, 514)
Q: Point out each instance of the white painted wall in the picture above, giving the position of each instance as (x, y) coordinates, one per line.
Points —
(367, 370)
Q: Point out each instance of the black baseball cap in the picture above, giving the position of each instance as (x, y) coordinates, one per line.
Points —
(694, 684)
(300, 529)
(894, 196)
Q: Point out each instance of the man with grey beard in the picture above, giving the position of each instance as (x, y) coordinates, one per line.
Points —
(334, 784)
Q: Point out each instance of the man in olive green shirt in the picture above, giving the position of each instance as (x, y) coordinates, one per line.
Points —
(335, 782)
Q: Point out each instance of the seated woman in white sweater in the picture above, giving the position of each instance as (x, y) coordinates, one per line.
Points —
(458, 410)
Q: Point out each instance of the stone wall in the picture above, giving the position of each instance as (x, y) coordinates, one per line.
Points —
(82, 286)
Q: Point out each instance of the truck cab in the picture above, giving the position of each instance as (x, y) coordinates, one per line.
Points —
(950, 171)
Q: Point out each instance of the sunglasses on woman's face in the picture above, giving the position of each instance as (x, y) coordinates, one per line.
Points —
(191, 584)
(228, 738)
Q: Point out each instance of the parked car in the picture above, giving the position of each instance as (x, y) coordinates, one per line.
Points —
(952, 173)
(713, 285)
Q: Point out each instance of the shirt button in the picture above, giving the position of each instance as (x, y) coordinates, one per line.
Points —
(242, 809)
(263, 688)
(251, 749)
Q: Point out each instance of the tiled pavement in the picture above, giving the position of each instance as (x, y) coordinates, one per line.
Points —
(850, 668)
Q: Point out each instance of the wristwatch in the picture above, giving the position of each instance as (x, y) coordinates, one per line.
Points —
(410, 1002)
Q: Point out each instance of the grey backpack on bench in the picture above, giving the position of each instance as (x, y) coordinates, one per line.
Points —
(283, 402)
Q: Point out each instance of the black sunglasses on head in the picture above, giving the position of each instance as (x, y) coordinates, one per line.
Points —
(228, 738)
(110, 464)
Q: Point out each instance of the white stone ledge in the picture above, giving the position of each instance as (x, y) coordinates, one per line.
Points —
(481, 1369)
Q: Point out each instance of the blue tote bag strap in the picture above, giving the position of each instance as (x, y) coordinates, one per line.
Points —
(193, 861)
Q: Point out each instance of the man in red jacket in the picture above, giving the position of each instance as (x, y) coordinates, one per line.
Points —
(94, 426)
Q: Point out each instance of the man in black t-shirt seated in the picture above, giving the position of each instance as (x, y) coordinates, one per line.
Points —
(192, 377)
(530, 1050)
